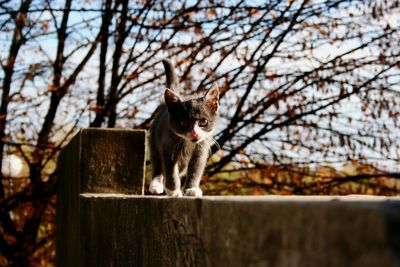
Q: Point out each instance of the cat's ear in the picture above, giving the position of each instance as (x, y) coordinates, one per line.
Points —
(172, 99)
(211, 98)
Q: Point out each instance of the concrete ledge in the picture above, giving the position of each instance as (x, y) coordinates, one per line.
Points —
(99, 222)
(123, 230)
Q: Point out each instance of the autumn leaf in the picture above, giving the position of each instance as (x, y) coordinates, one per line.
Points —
(135, 111)
(272, 76)
(223, 88)
(133, 76)
(212, 13)
(198, 29)
(44, 25)
(257, 191)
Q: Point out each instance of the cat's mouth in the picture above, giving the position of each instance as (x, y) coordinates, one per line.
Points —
(195, 140)
(194, 137)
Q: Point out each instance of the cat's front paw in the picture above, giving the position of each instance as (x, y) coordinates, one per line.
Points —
(156, 187)
(193, 192)
(174, 193)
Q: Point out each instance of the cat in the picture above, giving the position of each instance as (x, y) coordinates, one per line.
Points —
(181, 137)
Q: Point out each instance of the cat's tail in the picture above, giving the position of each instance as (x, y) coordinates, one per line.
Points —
(172, 80)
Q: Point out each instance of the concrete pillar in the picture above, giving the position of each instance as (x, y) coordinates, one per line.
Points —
(95, 161)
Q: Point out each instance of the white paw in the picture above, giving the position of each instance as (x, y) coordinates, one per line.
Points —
(174, 193)
(193, 192)
(156, 187)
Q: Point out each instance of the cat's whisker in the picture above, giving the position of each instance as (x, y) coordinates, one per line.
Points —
(208, 146)
(216, 143)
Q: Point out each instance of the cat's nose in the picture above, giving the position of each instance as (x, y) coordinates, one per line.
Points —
(194, 135)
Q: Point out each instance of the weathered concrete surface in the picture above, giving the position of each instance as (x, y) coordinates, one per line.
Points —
(95, 161)
(112, 161)
(99, 229)
(118, 230)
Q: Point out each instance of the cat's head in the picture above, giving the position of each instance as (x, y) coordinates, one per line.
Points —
(193, 119)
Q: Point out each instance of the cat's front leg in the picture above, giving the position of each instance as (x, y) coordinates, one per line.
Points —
(172, 180)
(157, 185)
(195, 170)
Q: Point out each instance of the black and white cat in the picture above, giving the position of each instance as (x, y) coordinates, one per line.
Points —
(181, 136)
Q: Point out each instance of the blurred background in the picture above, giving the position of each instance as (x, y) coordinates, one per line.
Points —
(310, 95)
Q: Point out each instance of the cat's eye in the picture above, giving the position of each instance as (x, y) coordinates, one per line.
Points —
(203, 123)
